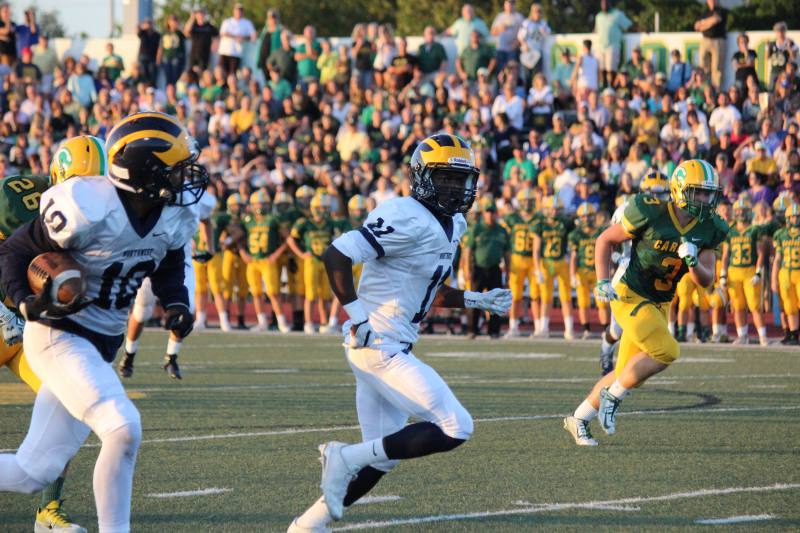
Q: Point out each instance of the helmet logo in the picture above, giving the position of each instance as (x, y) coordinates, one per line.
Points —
(457, 161)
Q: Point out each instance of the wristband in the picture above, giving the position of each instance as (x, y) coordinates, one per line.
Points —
(471, 299)
(355, 310)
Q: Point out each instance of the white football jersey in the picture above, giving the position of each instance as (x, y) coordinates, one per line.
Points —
(407, 255)
(86, 217)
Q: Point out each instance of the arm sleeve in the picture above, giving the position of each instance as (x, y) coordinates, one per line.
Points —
(168, 281)
(16, 254)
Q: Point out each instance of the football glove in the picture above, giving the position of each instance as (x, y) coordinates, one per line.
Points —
(539, 277)
(723, 279)
(688, 252)
(575, 280)
(496, 301)
(42, 305)
(202, 257)
(179, 320)
(755, 280)
(604, 291)
(11, 326)
(361, 335)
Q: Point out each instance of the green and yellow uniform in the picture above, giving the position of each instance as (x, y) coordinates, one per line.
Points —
(582, 241)
(19, 204)
(650, 281)
(787, 242)
(552, 258)
(520, 230)
(263, 239)
(234, 269)
(315, 237)
(742, 260)
(209, 274)
(292, 264)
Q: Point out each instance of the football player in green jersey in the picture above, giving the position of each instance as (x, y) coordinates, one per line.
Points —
(581, 265)
(786, 272)
(309, 239)
(743, 270)
(668, 240)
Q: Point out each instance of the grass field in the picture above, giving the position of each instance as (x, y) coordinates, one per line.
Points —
(714, 437)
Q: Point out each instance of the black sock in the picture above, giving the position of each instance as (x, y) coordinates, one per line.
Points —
(366, 478)
(297, 320)
(418, 440)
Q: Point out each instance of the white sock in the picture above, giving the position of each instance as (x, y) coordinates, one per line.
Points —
(357, 456)
(513, 324)
(131, 345)
(716, 329)
(617, 390)
(113, 477)
(333, 322)
(316, 516)
(281, 322)
(173, 347)
(545, 323)
(762, 332)
(223, 320)
(537, 325)
(201, 318)
(671, 328)
(585, 411)
(689, 329)
(568, 323)
(742, 331)
(262, 319)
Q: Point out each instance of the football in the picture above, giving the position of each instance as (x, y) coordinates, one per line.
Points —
(67, 275)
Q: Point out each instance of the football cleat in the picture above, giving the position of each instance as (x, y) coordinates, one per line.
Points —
(52, 517)
(336, 477)
(579, 429)
(742, 340)
(569, 336)
(171, 366)
(309, 329)
(607, 413)
(763, 341)
(294, 527)
(586, 335)
(260, 328)
(126, 365)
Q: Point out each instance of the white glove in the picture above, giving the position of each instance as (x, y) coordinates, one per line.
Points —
(11, 326)
(539, 277)
(615, 257)
(575, 280)
(496, 301)
(604, 292)
(361, 333)
(723, 279)
(755, 280)
(688, 252)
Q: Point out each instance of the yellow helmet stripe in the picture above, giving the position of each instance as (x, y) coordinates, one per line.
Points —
(171, 157)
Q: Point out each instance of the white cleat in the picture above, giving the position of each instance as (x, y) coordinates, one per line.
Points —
(607, 412)
(283, 327)
(294, 527)
(259, 328)
(586, 334)
(309, 329)
(569, 336)
(742, 340)
(763, 341)
(327, 329)
(579, 429)
(511, 333)
(336, 477)
(53, 518)
(225, 326)
(542, 334)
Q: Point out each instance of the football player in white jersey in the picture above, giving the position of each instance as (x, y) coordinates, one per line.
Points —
(120, 228)
(407, 246)
(145, 301)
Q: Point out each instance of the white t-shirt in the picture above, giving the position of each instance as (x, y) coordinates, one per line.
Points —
(722, 119)
(587, 75)
(231, 46)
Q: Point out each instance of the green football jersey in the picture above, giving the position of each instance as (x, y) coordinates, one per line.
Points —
(262, 235)
(315, 236)
(655, 268)
(787, 241)
(744, 246)
(521, 233)
(582, 241)
(19, 201)
(554, 238)
(341, 226)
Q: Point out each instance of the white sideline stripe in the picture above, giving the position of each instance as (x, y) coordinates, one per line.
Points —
(603, 507)
(185, 493)
(366, 500)
(705, 360)
(486, 356)
(735, 519)
(768, 386)
(545, 507)
(275, 370)
(299, 431)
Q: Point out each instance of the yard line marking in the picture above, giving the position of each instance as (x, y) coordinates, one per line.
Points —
(604, 507)
(546, 507)
(366, 500)
(185, 493)
(767, 386)
(735, 519)
(275, 370)
(705, 360)
(496, 355)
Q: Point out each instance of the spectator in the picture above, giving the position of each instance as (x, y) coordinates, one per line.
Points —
(149, 40)
(527, 171)
(532, 36)
(28, 33)
(474, 57)
(26, 70)
(712, 25)
(8, 36)
(362, 52)
(462, 29)
(635, 65)
(306, 55)
(744, 61)
(505, 28)
(282, 58)
(270, 39)
(781, 51)
(762, 164)
(679, 72)
(112, 63)
(81, 85)
(46, 59)
(431, 54)
(561, 77)
(172, 51)
(401, 69)
(327, 62)
(585, 77)
(233, 33)
(609, 26)
(540, 102)
(201, 34)
(723, 117)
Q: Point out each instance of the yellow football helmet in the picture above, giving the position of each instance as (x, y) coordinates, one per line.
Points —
(655, 184)
(152, 155)
(303, 195)
(282, 203)
(694, 187)
(793, 215)
(742, 210)
(551, 205)
(487, 204)
(781, 204)
(321, 205)
(526, 201)
(259, 202)
(83, 155)
(586, 213)
(357, 207)
(234, 203)
(443, 174)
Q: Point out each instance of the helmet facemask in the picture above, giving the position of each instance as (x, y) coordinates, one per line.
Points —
(446, 189)
(701, 202)
(187, 181)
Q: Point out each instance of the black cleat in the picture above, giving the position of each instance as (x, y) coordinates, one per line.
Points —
(171, 366)
(791, 339)
(126, 365)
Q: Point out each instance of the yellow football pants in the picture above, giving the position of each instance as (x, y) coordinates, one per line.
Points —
(234, 275)
(587, 279)
(789, 282)
(14, 358)
(742, 293)
(520, 269)
(691, 294)
(208, 275)
(261, 273)
(551, 271)
(316, 280)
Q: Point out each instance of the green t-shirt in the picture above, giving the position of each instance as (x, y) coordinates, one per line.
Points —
(474, 58)
(528, 172)
(315, 236)
(488, 243)
(521, 233)
(262, 235)
(554, 140)
(655, 268)
(307, 68)
(582, 242)
(787, 240)
(744, 245)
(113, 65)
(19, 201)
(431, 57)
(554, 238)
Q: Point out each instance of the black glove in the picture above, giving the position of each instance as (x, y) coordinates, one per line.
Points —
(38, 306)
(179, 320)
(203, 257)
(292, 265)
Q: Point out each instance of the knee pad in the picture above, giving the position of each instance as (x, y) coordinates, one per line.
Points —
(112, 414)
(145, 302)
